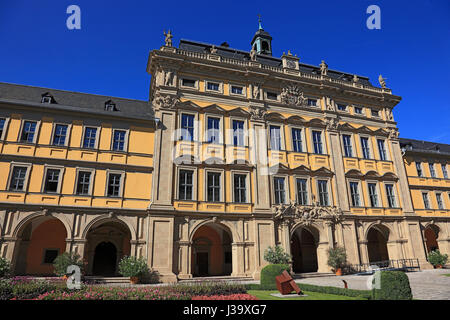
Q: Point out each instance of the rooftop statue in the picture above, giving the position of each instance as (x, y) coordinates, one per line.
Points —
(168, 40)
(382, 81)
(323, 68)
(253, 54)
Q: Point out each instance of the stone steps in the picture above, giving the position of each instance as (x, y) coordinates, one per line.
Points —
(107, 280)
(312, 275)
(216, 278)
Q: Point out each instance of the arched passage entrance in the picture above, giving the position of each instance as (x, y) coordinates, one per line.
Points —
(304, 243)
(377, 238)
(107, 243)
(431, 236)
(211, 251)
(41, 240)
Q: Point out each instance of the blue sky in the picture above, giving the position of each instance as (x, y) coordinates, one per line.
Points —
(109, 54)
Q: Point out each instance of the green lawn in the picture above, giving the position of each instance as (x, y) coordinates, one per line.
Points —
(265, 295)
(447, 274)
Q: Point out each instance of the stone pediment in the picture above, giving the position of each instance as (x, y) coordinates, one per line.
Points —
(239, 112)
(389, 176)
(354, 173)
(275, 116)
(381, 132)
(214, 108)
(316, 123)
(213, 160)
(187, 160)
(346, 127)
(323, 171)
(364, 129)
(372, 174)
(301, 169)
(279, 167)
(188, 105)
(296, 119)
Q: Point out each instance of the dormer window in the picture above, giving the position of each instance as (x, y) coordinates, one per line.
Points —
(47, 98)
(110, 106)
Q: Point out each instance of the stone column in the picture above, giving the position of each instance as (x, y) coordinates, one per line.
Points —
(184, 260)
(238, 259)
(364, 251)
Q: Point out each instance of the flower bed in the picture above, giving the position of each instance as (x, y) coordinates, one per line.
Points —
(244, 296)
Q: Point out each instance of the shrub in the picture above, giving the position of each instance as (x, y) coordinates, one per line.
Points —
(276, 255)
(131, 266)
(64, 260)
(437, 258)
(244, 296)
(5, 267)
(337, 257)
(268, 274)
(394, 285)
(5, 290)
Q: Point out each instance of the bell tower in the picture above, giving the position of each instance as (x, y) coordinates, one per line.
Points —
(262, 41)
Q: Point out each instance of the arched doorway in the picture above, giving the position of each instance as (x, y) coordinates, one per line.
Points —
(304, 242)
(105, 259)
(211, 251)
(40, 241)
(431, 236)
(107, 243)
(377, 238)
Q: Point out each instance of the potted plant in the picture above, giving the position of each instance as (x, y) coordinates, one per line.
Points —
(337, 259)
(133, 267)
(437, 259)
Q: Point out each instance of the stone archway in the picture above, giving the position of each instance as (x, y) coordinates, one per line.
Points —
(40, 241)
(211, 253)
(107, 243)
(431, 235)
(304, 244)
(377, 238)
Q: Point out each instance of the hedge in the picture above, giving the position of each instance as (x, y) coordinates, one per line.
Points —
(394, 285)
(268, 274)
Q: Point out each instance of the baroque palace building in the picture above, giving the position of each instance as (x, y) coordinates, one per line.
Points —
(235, 151)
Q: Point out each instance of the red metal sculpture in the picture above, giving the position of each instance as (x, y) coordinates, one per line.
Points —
(285, 284)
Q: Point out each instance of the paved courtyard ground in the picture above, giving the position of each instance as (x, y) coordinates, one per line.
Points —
(425, 285)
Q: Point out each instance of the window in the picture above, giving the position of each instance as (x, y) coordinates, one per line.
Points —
(373, 195)
(432, 172)
(50, 255)
(354, 193)
(317, 142)
(443, 166)
(238, 133)
(390, 195)
(312, 103)
(213, 186)
(365, 147)
(28, 131)
(18, 178)
(323, 192)
(237, 90)
(187, 127)
(382, 149)
(302, 192)
(347, 141)
(297, 140)
(52, 180)
(358, 110)
(279, 190)
(342, 107)
(59, 136)
(419, 169)
(439, 201)
(213, 133)
(185, 185)
(240, 190)
(110, 106)
(119, 140)
(188, 83)
(426, 203)
(275, 138)
(46, 99)
(2, 127)
(84, 179)
(375, 113)
(90, 137)
(272, 96)
(114, 184)
(212, 86)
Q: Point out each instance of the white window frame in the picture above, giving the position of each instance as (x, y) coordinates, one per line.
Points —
(352, 144)
(5, 128)
(205, 131)
(444, 167)
(126, 139)
(220, 83)
(60, 178)
(287, 193)
(97, 137)
(362, 203)
(270, 91)
(322, 139)
(369, 140)
(308, 189)
(196, 125)
(303, 136)
(396, 197)
(343, 104)
(231, 93)
(386, 148)
(442, 200)
(26, 179)
(194, 182)
(363, 109)
(221, 184)
(431, 165)
(122, 182)
(282, 139)
(69, 128)
(378, 194)
(424, 192)
(91, 181)
(247, 186)
(421, 169)
(329, 190)
(36, 132)
(378, 116)
(196, 86)
(230, 135)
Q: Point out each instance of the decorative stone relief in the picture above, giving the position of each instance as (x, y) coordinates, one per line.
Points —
(256, 91)
(168, 78)
(393, 133)
(213, 50)
(292, 95)
(332, 123)
(330, 104)
(257, 114)
(389, 115)
(165, 101)
(294, 213)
